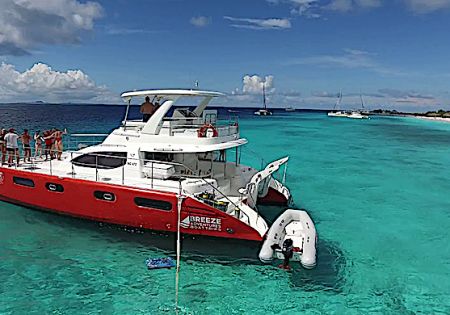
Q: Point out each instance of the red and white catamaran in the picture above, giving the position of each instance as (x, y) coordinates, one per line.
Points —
(166, 174)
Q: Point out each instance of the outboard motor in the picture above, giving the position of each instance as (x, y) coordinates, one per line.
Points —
(288, 251)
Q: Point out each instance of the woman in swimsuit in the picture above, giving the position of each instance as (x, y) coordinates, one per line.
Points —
(58, 145)
(37, 144)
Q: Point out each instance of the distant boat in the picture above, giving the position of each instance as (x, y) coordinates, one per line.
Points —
(264, 111)
(290, 109)
(335, 112)
(359, 114)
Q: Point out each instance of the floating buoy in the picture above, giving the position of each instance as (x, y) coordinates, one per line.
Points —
(160, 263)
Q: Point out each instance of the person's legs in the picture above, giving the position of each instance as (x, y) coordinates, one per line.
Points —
(10, 156)
(17, 154)
(59, 148)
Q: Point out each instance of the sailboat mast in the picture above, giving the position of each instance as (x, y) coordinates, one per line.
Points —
(264, 95)
(362, 101)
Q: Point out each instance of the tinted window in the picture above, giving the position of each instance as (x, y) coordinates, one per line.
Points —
(152, 203)
(158, 156)
(54, 187)
(23, 181)
(103, 160)
(104, 195)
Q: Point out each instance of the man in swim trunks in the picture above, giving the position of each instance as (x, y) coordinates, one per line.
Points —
(147, 109)
(3, 145)
(48, 139)
(26, 138)
(12, 146)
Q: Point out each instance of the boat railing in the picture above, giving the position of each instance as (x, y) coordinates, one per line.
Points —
(79, 141)
(236, 207)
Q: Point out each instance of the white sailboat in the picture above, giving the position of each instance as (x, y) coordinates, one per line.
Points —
(359, 114)
(264, 111)
(335, 112)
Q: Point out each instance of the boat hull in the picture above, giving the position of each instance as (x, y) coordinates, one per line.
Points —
(156, 210)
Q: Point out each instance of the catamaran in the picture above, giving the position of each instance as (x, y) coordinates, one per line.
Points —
(335, 112)
(179, 172)
(359, 114)
(263, 111)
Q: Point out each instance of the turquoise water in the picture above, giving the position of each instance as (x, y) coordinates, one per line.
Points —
(377, 190)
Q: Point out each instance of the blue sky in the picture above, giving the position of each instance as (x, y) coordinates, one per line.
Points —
(395, 52)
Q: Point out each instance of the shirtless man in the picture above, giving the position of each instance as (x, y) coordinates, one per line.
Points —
(26, 138)
(147, 109)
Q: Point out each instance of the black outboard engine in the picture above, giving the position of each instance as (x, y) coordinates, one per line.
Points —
(287, 251)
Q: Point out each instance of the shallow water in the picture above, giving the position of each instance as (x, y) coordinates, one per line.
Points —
(377, 191)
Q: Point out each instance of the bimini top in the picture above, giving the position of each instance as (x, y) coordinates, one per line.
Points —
(169, 93)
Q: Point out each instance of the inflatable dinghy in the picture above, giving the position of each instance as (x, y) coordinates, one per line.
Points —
(291, 237)
(160, 263)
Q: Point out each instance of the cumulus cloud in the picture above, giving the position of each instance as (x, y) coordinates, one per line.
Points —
(200, 21)
(41, 82)
(254, 84)
(259, 24)
(27, 24)
(427, 6)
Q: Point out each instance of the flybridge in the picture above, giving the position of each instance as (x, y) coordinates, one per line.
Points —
(184, 123)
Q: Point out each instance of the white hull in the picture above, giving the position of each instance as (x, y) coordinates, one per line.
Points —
(297, 226)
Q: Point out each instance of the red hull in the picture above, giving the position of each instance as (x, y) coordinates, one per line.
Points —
(78, 199)
(273, 197)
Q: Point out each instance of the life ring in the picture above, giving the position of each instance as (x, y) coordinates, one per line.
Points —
(204, 129)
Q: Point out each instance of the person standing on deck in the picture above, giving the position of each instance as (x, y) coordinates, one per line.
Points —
(3, 145)
(147, 109)
(37, 144)
(26, 138)
(12, 146)
(58, 143)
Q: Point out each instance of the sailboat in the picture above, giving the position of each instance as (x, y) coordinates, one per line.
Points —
(359, 114)
(335, 112)
(264, 111)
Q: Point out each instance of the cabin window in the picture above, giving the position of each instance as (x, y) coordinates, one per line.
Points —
(152, 203)
(104, 195)
(23, 181)
(158, 156)
(54, 187)
(101, 160)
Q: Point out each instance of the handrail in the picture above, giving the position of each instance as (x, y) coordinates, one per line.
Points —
(228, 199)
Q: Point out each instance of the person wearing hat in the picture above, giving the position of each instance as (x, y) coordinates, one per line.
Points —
(12, 146)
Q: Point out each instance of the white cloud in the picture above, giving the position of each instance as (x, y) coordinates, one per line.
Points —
(351, 59)
(27, 24)
(41, 82)
(427, 6)
(200, 21)
(260, 24)
(254, 84)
